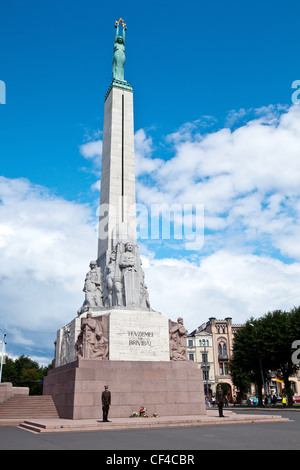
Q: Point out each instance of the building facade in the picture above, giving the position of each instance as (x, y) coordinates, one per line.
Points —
(210, 345)
(200, 349)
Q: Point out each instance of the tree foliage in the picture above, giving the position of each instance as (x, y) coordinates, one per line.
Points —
(265, 345)
(24, 372)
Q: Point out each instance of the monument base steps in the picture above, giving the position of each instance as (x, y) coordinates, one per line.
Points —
(167, 388)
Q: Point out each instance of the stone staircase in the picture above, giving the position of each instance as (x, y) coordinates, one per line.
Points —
(19, 408)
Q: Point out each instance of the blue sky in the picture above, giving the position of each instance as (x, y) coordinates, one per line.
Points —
(215, 125)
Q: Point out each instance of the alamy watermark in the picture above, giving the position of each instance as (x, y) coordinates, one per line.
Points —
(2, 92)
(296, 94)
(296, 354)
(183, 222)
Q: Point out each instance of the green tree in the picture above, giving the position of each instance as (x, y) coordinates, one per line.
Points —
(246, 365)
(32, 378)
(279, 330)
(9, 373)
(264, 345)
(24, 372)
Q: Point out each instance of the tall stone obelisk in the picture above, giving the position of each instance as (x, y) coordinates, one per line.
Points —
(116, 336)
(117, 218)
(117, 200)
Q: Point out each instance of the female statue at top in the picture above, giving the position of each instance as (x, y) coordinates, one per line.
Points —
(119, 52)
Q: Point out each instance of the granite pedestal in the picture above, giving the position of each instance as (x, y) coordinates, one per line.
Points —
(167, 388)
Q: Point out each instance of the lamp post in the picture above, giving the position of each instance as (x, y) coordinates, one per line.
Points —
(260, 366)
(206, 376)
(2, 355)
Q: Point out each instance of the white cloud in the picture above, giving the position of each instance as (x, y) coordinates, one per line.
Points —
(46, 244)
(143, 149)
(224, 284)
(248, 179)
(249, 182)
(92, 149)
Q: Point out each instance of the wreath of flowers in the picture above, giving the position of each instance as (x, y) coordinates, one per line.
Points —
(142, 414)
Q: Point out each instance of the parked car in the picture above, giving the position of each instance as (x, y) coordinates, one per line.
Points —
(296, 399)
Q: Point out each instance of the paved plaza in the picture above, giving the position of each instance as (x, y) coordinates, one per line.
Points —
(238, 435)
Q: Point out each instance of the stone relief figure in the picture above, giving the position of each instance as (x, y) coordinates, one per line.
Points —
(92, 288)
(92, 342)
(65, 345)
(119, 52)
(110, 279)
(144, 300)
(130, 275)
(146, 295)
(127, 259)
(78, 346)
(123, 280)
(113, 282)
(178, 334)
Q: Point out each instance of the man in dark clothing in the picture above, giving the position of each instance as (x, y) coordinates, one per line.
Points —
(106, 401)
(220, 400)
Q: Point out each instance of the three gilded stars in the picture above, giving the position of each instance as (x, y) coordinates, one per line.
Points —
(120, 21)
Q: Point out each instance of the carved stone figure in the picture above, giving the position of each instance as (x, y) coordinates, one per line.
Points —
(113, 282)
(144, 300)
(178, 334)
(128, 260)
(91, 342)
(130, 276)
(123, 281)
(92, 288)
(65, 345)
(110, 278)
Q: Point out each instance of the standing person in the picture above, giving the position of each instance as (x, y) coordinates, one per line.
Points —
(220, 401)
(106, 401)
(284, 401)
(266, 401)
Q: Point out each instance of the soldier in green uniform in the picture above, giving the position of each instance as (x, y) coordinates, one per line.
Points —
(106, 401)
(220, 400)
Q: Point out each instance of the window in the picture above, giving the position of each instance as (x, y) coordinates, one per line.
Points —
(191, 356)
(204, 357)
(222, 350)
(223, 368)
(190, 342)
(205, 374)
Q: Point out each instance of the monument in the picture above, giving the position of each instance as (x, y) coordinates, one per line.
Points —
(116, 337)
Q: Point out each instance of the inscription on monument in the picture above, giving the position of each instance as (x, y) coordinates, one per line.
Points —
(140, 338)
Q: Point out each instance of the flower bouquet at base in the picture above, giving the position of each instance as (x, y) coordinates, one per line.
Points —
(134, 415)
(143, 412)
